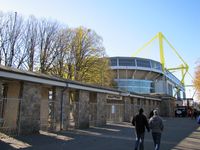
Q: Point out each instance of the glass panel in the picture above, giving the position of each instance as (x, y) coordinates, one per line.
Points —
(113, 62)
(143, 63)
(156, 65)
(138, 86)
(126, 62)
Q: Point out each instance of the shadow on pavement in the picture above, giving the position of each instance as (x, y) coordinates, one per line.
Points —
(179, 134)
(191, 142)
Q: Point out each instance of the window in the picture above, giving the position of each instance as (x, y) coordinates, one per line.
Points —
(113, 62)
(126, 62)
(143, 63)
(156, 65)
(138, 86)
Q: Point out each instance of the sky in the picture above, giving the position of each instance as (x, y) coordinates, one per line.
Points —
(126, 25)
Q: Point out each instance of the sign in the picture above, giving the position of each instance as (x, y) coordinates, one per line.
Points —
(114, 97)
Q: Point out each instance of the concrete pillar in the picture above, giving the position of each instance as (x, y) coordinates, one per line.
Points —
(132, 113)
(93, 109)
(145, 106)
(136, 105)
(57, 108)
(30, 109)
(1, 91)
(128, 109)
(83, 110)
(11, 105)
(167, 106)
(101, 109)
(164, 108)
(65, 110)
(172, 107)
(150, 103)
(1, 104)
(44, 108)
(60, 109)
(148, 106)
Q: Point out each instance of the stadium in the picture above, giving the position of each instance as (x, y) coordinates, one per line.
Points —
(145, 76)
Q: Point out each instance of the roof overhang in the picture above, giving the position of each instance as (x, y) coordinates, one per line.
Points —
(24, 77)
(17, 75)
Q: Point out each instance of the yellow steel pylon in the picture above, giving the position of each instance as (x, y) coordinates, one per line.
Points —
(183, 67)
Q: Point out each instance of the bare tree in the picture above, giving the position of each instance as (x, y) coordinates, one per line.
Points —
(10, 32)
(29, 46)
(48, 34)
(45, 46)
(60, 65)
(1, 41)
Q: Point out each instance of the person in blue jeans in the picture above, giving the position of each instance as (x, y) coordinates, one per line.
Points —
(140, 122)
(156, 126)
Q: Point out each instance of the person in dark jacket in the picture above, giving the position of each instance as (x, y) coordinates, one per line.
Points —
(140, 122)
(156, 126)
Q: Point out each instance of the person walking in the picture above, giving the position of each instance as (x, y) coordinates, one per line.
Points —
(140, 122)
(156, 126)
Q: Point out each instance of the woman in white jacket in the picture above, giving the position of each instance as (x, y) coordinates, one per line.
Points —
(156, 126)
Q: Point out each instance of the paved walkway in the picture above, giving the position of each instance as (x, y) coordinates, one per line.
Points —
(179, 134)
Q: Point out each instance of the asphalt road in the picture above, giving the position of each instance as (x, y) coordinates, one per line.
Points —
(179, 134)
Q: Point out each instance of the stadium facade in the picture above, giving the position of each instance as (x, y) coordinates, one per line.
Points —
(145, 76)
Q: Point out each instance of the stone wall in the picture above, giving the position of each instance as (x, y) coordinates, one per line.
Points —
(128, 109)
(35, 107)
(167, 107)
(136, 105)
(83, 110)
(30, 109)
(44, 108)
(172, 106)
(101, 107)
(1, 97)
(57, 108)
(115, 110)
(65, 110)
(93, 109)
(132, 106)
(61, 109)
(146, 107)
(1, 104)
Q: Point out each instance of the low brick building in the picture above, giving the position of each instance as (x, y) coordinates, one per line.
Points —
(30, 102)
